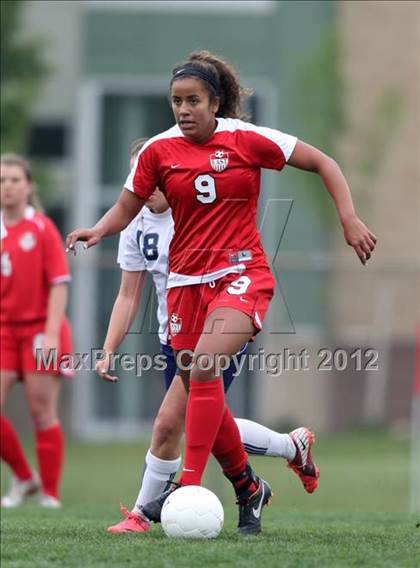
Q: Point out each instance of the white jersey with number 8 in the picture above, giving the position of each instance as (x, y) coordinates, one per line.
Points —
(144, 245)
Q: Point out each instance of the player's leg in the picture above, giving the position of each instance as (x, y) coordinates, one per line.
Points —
(262, 441)
(42, 392)
(170, 370)
(225, 331)
(10, 447)
(164, 456)
(256, 438)
(209, 424)
(230, 328)
(162, 459)
(205, 407)
(259, 440)
(252, 492)
(295, 447)
(24, 481)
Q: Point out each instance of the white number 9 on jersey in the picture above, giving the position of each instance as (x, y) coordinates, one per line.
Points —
(206, 188)
(239, 286)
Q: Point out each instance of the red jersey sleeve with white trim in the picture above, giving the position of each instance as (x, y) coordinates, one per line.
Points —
(147, 171)
(32, 260)
(143, 178)
(268, 148)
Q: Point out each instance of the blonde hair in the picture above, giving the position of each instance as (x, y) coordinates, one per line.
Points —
(18, 160)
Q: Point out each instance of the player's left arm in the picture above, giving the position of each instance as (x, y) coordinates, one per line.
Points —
(356, 233)
(57, 303)
(57, 275)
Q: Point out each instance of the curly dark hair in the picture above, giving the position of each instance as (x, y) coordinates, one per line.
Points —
(231, 93)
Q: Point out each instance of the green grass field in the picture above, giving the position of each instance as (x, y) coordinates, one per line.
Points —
(357, 517)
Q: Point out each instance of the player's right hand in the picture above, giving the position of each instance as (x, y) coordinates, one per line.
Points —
(358, 236)
(102, 368)
(90, 237)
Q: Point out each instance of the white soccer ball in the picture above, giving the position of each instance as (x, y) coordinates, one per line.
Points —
(192, 512)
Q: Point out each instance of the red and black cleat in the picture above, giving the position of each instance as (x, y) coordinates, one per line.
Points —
(303, 464)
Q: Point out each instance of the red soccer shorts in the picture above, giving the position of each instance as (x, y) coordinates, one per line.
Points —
(189, 306)
(19, 342)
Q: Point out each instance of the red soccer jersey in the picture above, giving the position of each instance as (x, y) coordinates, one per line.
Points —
(213, 191)
(32, 259)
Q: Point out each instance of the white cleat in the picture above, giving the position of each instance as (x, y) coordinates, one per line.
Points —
(49, 502)
(19, 491)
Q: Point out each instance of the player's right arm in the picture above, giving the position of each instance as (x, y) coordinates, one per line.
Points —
(114, 221)
(122, 316)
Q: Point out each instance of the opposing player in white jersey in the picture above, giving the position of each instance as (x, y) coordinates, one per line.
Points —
(144, 247)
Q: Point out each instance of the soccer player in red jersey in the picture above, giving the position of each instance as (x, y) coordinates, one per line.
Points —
(34, 277)
(144, 246)
(219, 286)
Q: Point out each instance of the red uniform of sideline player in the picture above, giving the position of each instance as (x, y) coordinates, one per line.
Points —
(208, 167)
(34, 276)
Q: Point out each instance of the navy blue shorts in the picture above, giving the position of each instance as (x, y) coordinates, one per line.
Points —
(171, 367)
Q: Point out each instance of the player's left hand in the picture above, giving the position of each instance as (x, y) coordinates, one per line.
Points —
(358, 236)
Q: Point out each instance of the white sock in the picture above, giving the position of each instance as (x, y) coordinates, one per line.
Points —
(261, 441)
(156, 474)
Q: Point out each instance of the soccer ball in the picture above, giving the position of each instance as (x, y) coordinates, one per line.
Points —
(192, 512)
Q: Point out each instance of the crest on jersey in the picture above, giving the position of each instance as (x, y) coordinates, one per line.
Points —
(219, 160)
(175, 324)
(27, 241)
(6, 264)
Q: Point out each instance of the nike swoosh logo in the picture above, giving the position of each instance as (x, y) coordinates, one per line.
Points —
(257, 511)
(243, 299)
(173, 166)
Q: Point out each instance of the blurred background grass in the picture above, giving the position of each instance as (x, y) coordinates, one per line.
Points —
(360, 472)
